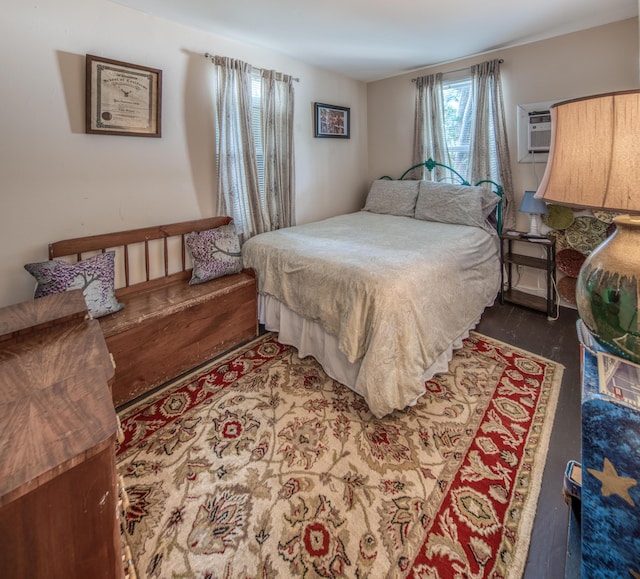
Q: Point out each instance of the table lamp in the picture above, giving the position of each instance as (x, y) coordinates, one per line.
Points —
(594, 162)
(535, 207)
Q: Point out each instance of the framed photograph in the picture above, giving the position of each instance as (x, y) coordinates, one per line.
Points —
(332, 121)
(122, 98)
(619, 379)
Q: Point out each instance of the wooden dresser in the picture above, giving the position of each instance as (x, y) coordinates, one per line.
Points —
(58, 490)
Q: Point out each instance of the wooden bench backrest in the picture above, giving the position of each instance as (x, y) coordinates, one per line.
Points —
(122, 241)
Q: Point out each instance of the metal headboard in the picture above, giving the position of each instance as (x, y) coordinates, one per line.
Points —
(430, 165)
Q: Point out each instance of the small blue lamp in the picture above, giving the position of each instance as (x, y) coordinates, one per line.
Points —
(535, 207)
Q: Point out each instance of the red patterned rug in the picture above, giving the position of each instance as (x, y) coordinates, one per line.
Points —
(262, 466)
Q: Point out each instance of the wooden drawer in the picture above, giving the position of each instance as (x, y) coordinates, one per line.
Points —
(160, 349)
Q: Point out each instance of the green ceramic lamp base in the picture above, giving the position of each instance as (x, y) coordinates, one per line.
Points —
(607, 290)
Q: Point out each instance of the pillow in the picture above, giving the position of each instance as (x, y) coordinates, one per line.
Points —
(94, 276)
(459, 204)
(392, 197)
(215, 252)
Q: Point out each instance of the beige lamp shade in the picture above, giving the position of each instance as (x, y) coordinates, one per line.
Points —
(594, 153)
(594, 162)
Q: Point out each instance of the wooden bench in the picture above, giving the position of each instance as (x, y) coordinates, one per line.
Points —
(167, 327)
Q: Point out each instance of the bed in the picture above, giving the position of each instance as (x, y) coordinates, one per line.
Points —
(383, 296)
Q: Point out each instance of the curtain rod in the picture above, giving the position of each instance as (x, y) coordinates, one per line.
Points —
(256, 68)
(458, 70)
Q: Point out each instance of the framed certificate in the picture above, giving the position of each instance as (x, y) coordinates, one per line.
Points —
(122, 98)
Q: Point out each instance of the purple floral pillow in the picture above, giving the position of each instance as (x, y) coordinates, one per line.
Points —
(94, 276)
(215, 252)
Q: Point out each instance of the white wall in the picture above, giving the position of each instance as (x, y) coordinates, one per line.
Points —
(598, 60)
(593, 61)
(58, 182)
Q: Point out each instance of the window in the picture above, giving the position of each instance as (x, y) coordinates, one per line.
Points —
(256, 121)
(458, 112)
(459, 123)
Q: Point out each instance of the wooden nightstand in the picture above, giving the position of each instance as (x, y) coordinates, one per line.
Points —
(509, 258)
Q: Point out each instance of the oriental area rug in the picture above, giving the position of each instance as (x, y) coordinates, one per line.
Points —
(261, 466)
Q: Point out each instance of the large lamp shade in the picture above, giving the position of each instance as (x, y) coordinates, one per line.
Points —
(594, 162)
(594, 156)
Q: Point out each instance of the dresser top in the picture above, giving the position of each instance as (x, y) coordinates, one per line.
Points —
(55, 405)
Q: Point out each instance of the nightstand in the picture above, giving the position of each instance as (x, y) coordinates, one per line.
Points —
(509, 257)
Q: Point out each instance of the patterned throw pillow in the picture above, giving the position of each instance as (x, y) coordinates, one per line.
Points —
(94, 276)
(215, 252)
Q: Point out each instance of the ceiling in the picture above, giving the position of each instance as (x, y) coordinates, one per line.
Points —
(373, 39)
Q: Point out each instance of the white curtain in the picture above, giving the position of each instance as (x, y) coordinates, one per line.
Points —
(238, 190)
(239, 194)
(429, 140)
(277, 141)
(489, 138)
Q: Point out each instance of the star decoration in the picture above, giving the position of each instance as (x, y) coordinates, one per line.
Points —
(613, 483)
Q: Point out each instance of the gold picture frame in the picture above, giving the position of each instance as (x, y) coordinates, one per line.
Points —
(122, 98)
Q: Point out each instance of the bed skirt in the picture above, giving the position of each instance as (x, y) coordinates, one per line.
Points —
(310, 339)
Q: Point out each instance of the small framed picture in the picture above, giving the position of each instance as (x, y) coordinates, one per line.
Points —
(619, 379)
(332, 121)
(122, 98)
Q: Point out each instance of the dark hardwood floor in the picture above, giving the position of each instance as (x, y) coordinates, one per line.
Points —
(557, 341)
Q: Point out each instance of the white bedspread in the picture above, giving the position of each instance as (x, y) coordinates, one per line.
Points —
(394, 291)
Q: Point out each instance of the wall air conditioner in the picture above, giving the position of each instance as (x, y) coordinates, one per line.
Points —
(534, 131)
(539, 132)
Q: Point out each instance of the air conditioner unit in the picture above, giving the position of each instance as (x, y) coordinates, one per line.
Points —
(539, 132)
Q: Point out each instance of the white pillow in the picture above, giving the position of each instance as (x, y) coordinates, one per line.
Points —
(449, 203)
(392, 197)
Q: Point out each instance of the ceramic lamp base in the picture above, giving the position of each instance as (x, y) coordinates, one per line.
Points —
(607, 290)
(534, 227)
